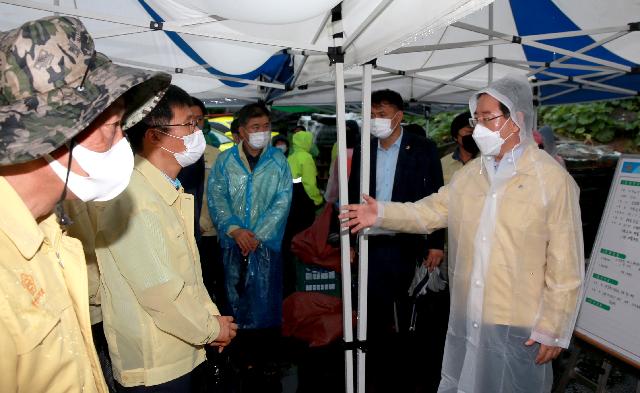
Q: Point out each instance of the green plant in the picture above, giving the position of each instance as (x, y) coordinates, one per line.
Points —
(439, 125)
(599, 121)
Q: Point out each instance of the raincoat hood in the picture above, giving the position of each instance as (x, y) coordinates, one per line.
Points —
(515, 93)
(302, 141)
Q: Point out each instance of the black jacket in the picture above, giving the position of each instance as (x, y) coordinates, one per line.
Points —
(418, 174)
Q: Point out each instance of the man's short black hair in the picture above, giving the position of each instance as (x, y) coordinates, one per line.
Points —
(197, 102)
(503, 108)
(298, 128)
(390, 97)
(459, 122)
(234, 127)
(159, 116)
(250, 111)
(353, 134)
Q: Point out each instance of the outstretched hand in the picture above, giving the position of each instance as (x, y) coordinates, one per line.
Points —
(360, 216)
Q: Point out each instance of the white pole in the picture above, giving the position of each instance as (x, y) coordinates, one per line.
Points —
(363, 265)
(490, 65)
(345, 246)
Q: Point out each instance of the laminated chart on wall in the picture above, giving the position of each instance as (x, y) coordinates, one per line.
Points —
(610, 310)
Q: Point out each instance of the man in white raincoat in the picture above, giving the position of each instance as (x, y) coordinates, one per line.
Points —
(516, 261)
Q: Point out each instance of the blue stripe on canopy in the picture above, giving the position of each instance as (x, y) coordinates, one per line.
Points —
(271, 68)
(543, 16)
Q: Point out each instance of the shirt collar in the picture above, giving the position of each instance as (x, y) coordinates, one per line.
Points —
(157, 179)
(395, 145)
(17, 222)
(456, 154)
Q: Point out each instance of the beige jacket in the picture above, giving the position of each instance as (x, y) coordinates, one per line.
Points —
(206, 225)
(536, 256)
(157, 313)
(449, 166)
(45, 329)
(83, 229)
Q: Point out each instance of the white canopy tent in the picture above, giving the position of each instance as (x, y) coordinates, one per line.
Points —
(572, 50)
(210, 46)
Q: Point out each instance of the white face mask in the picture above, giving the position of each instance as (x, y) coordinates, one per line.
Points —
(259, 139)
(283, 148)
(381, 127)
(194, 144)
(109, 172)
(489, 142)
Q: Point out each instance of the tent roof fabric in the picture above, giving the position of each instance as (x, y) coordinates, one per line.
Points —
(573, 51)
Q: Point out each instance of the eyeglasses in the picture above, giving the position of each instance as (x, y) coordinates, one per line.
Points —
(474, 121)
(191, 124)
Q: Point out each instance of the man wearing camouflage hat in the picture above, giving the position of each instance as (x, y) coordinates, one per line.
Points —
(61, 120)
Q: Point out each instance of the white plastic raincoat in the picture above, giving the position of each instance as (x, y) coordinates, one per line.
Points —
(516, 260)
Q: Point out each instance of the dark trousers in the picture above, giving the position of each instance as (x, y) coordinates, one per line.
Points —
(100, 341)
(391, 269)
(213, 270)
(256, 355)
(392, 262)
(431, 330)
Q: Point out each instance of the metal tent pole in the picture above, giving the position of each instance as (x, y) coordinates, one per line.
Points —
(345, 246)
(490, 53)
(336, 56)
(363, 251)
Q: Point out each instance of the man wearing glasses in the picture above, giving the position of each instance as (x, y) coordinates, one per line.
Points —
(516, 260)
(157, 313)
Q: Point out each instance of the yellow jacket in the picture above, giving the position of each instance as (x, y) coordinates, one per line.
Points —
(449, 166)
(45, 330)
(303, 165)
(83, 229)
(156, 311)
(206, 225)
(536, 256)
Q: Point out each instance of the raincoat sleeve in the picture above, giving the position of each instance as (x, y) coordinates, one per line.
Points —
(144, 261)
(423, 216)
(564, 271)
(269, 227)
(219, 200)
(309, 180)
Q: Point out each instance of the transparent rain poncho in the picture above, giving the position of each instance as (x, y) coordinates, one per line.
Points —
(259, 201)
(516, 260)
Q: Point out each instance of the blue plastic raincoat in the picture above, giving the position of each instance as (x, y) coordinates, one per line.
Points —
(259, 201)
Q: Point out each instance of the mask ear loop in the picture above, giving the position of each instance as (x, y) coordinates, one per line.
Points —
(513, 157)
(63, 218)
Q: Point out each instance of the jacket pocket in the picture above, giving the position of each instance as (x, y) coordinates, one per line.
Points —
(30, 316)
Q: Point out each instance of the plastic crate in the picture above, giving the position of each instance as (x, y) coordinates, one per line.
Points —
(317, 279)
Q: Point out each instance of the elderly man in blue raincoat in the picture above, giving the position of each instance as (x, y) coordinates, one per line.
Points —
(249, 194)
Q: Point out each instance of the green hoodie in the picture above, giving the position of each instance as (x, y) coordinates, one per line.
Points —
(303, 166)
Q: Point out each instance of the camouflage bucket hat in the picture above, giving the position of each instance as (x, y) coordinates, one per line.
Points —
(53, 85)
